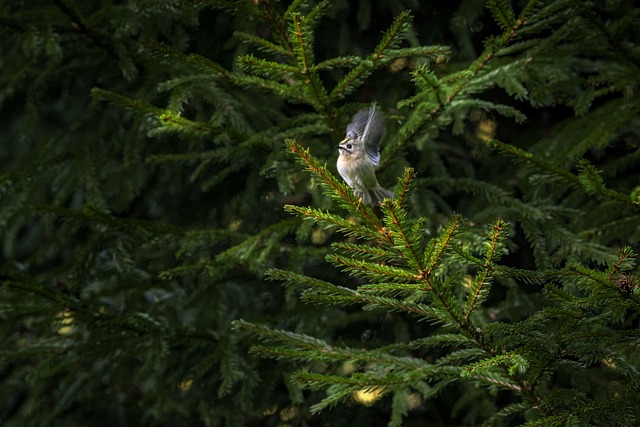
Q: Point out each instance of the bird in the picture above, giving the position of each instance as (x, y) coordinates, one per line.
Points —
(359, 154)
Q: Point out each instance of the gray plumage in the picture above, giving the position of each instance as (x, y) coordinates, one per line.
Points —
(360, 154)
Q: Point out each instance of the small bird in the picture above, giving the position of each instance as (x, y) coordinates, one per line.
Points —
(360, 154)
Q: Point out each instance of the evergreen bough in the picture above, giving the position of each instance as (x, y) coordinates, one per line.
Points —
(498, 287)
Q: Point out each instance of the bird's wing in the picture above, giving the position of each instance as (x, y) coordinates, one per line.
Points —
(355, 129)
(347, 179)
(373, 130)
(367, 126)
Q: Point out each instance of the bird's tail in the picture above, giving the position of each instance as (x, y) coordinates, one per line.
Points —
(375, 196)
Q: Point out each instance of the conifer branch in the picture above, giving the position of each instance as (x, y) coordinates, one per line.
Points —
(339, 191)
(613, 44)
(96, 269)
(305, 347)
(398, 290)
(588, 178)
(320, 292)
(489, 53)
(357, 381)
(365, 251)
(79, 23)
(397, 223)
(626, 256)
(438, 247)
(442, 340)
(404, 187)
(530, 158)
(427, 312)
(314, 290)
(302, 48)
(593, 183)
(313, 16)
(264, 45)
(293, 7)
(502, 13)
(96, 216)
(340, 61)
(345, 226)
(514, 361)
(425, 115)
(480, 283)
(169, 120)
(302, 44)
(373, 270)
(269, 69)
(383, 52)
(604, 281)
(60, 298)
(174, 58)
(495, 194)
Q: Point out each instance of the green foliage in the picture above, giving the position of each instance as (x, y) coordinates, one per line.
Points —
(177, 249)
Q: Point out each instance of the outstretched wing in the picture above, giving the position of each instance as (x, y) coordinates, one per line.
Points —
(372, 135)
(367, 126)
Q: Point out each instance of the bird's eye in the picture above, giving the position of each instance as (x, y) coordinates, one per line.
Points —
(349, 146)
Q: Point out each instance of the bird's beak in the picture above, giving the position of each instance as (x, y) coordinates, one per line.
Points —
(340, 147)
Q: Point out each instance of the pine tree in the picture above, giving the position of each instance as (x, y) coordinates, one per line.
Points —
(177, 248)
